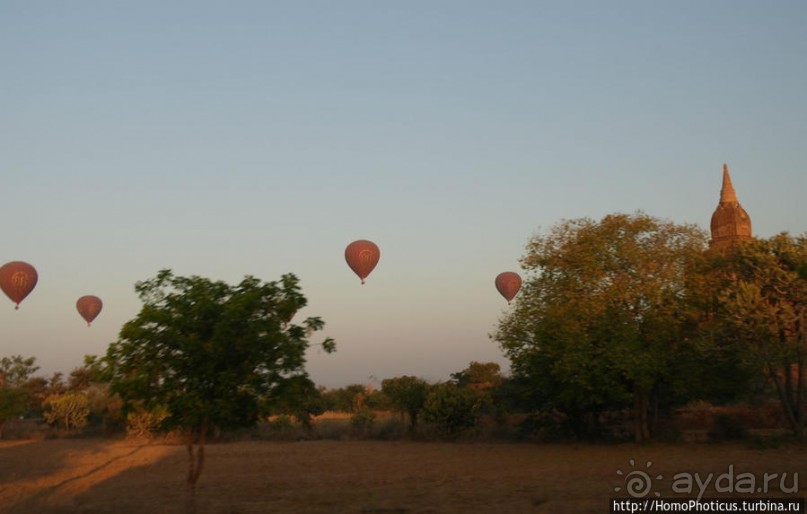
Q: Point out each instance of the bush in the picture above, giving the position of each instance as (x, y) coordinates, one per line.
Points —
(69, 410)
(145, 423)
(361, 423)
(105, 409)
(284, 428)
(451, 409)
(391, 429)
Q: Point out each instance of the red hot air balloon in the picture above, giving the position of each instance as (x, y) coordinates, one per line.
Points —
(362, 256)
(17, 280)
(508, 284)
(89, 307)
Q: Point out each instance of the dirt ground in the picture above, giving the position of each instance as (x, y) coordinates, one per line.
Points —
(124, 476)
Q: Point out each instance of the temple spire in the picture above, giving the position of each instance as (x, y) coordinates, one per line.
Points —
(730, 223)
(727, 194)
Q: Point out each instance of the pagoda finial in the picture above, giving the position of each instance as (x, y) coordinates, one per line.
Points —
(727, 194)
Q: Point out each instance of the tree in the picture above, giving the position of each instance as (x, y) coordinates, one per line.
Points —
(451, 408)
(298, 397)
(350, 398)
(763, 311)
(15, 370)
(598, 322)
(483, 379)
(14, 397)
(479, 375)
(209, 353)
(407, 395)
(13, 403)
(70, 410)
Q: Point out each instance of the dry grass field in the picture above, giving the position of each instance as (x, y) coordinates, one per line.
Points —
(125, 476)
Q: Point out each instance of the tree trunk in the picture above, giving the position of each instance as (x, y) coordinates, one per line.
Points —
(196, 459)
(791, 411)
(413, 421)
(641, 426)
(799, 396)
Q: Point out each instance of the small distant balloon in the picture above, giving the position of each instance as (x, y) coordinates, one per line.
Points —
(17, 280)
(508, 284)
(89, 307)
(362, 257)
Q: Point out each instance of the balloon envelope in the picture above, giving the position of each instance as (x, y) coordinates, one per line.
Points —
(508, 284)
(89, 307)
(362, 256)
(17, 279)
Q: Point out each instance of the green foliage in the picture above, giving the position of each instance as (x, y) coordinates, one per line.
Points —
(407, 395)
(762, 315)
(142, 422)
(484, 379)
(15, 370)
(451, 408)
(13, 404)
(479, 375)
(282, 428)
(361, 423)
(600, 319)
(69, 410)
(15, 398)
(299, 397)
(208, 352)
(350, 398)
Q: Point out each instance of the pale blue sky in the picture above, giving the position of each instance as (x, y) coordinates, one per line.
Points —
(224, 138)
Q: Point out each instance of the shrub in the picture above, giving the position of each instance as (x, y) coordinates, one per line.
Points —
(361, 423)
(283, 428)
(145, 423)
(451, 408)
(69, 410)
(391, 429)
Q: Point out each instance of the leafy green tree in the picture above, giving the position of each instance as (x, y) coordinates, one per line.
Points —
(484, 378)
(13, 403)
(209, 353)
(407, 395)
(80, 378)
(451, 407)
(763, 313)
(37, 389)
(349, 398)
(15, 371)
(599, 320)
(299, 397)
(479, 375)
(56, 383)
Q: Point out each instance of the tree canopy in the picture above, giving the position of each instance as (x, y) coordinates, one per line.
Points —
(762, 315)
(601, 313)
(15, 371)
(209, 353)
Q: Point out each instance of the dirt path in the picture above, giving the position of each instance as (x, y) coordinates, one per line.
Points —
(102, 476)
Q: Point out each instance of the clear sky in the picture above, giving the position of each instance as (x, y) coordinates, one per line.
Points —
(225, 138)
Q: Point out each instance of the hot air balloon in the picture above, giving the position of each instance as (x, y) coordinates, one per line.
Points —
(508, 284)
(89, 307)
(17, 280)
(362, 256)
